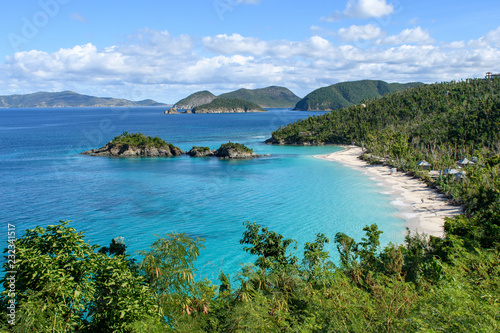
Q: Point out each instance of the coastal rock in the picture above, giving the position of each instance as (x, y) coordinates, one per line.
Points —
(201, 152)
(171, 111)
(232, 153)
(126, 150)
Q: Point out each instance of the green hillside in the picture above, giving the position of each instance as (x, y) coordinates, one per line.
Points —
(194, 100)
(349, 93)
(225, 105)
(270, 97)
(67, 99)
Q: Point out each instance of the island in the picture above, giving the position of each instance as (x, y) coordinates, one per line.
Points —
(68, 99)
(230, 150)
(269, 97)
(228, 105)
(136, 145)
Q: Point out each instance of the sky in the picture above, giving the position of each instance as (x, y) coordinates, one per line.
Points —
(166, 49)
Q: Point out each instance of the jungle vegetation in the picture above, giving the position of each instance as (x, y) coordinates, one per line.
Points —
(236, 146)
(427, 284)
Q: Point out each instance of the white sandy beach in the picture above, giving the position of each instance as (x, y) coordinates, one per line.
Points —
(421, 207)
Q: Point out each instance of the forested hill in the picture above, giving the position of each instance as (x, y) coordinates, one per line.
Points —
(349, 93)
(462, 114)
(270, 97)
(194, 100)
(67, 99)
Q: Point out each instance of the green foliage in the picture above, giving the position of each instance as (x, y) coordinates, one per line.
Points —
(139, 140)
(63, 283)
(270, 246)
(168, 267)
(405, 288)
(201, 149)
(237, 146)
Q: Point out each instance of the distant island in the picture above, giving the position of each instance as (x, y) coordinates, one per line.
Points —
(67, 99)
(270, 97)
(346, 94)
(136, 145)
(228, 105)
(140, 145)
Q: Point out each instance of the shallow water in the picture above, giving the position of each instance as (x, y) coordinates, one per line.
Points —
(44, 179)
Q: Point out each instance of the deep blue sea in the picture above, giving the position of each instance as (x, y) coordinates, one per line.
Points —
(43, 179)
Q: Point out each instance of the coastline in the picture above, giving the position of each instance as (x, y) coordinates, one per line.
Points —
(423, 209)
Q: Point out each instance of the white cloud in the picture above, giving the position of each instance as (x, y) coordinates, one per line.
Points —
(158, 65)
(408, 36)
(235, 43)
(362, 9)
(360, 32)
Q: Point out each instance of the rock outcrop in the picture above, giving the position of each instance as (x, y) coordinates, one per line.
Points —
(126, 150)
(171, 111)
(233, 153)
(201, 152)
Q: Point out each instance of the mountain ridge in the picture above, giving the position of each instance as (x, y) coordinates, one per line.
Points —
(67, 98)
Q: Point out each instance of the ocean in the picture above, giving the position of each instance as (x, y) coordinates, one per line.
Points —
(44, 179)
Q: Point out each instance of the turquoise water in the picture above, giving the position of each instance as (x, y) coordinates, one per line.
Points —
(44, 179)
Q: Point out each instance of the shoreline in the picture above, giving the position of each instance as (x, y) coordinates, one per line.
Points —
(423, 209)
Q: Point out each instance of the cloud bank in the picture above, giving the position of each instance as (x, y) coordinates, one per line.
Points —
(156, 64)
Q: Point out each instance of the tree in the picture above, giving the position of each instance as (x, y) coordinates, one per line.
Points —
(63, 285)
(270, 246)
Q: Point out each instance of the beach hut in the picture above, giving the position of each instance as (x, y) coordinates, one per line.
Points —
(464, 162)
(424, 165)
(454, 172)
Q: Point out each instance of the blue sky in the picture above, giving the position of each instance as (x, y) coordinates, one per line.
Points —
(166, 49)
